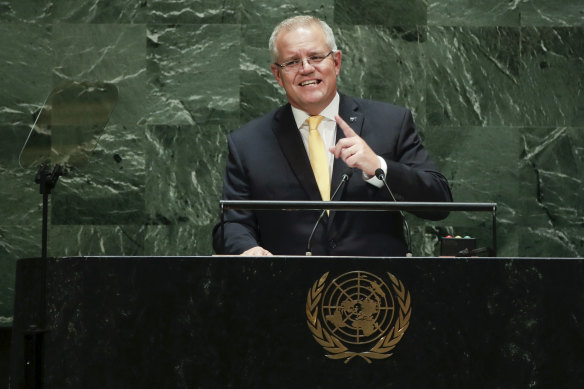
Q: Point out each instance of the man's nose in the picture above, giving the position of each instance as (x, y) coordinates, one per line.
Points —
(306, 66)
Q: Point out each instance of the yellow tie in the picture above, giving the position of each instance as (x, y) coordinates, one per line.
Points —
(318, 158)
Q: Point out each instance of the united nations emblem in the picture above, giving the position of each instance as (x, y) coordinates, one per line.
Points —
(361, 315)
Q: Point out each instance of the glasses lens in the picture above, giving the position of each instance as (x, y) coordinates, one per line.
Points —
(292, 66)
(316, 59)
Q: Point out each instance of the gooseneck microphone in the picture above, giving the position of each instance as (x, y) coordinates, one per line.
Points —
(344, 179)
(380, 174)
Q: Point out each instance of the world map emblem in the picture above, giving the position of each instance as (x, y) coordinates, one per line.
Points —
(358, 314)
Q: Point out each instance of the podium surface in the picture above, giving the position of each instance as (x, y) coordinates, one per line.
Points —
(298, 322)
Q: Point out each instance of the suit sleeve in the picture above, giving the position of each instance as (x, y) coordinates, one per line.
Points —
(240, 227)
(412, 175)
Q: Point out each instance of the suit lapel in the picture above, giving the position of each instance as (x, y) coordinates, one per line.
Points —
(284, 127)
(349, 112)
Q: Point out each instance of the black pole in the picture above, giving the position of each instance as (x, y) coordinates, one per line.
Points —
(44, 225)
(222, 228)
(494, 228)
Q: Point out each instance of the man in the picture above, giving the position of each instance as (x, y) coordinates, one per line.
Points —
(301, 150)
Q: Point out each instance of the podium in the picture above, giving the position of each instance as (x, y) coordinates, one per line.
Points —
(246, 322)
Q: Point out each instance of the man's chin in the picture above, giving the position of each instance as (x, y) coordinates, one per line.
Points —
(315, 98)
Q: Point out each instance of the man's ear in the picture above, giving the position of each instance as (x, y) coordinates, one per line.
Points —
(276, 73)
(337, 55)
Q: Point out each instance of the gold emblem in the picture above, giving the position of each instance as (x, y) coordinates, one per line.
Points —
(361, 315)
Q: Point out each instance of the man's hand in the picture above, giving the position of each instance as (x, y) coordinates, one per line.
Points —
(256, 251)
(354, 151)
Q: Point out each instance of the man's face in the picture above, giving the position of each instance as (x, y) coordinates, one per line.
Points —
(313, 86)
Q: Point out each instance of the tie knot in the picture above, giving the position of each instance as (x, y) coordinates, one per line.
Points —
(314, 121)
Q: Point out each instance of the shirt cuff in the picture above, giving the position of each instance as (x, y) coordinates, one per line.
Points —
(373, 180)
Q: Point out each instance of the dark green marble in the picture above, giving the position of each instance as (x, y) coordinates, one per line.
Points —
(551, 181)
(482, 165)
(184, 169)
(552, 60)
(79, 11)
(193, 74)
(26, 62)
(259, 90)
(473, 76)
(552, 13)
(495, 87)
(383, 63)
(270, 12)
(381, 12)
(113, 53)
(93, 238)
(471, 13)
(109, 189)
(192, 11)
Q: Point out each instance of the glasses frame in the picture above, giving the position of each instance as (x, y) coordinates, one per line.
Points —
(289, 65)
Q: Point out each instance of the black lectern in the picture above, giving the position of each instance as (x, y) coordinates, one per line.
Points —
(298, 322)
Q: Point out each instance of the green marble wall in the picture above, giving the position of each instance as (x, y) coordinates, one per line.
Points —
(496, 87)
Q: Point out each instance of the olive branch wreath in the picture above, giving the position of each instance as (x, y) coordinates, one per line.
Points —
(336, 348)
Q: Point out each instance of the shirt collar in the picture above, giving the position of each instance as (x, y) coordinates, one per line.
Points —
(329, 112)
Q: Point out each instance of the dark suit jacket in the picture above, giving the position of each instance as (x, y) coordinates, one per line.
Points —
(267, 161)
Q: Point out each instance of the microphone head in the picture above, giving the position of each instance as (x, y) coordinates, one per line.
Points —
(380, 174)
(348, 173)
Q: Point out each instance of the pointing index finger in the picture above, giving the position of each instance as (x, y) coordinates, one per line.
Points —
(347, 130)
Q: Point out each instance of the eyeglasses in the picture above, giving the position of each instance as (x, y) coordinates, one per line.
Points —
(295, 64)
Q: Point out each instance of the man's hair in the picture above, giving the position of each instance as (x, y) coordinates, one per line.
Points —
(294, 22)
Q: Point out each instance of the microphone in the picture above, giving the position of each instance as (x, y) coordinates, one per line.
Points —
(381, 176)
(344, 179)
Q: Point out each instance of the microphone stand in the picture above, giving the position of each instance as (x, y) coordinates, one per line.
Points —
(47, 180)
(345, 178)
(381, 176)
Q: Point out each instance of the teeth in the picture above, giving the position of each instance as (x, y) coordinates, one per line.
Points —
(311, 82)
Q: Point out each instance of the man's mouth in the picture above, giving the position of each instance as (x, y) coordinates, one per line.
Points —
(310, 82)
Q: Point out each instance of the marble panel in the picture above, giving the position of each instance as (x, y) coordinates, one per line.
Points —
(474, 13)
(193, 11)
(77, 11)
(105, 52)
(551, 177)
(481, 165)
(25, 65)
(88, 240)
(473, 76)
(552, 13)
(179, 239)
(109, 189)
(19, 192)
(99, 11)
(184, 174)
(552, 76)
(26, 11)
(383, 63)
(270, 12)
(259, 90)
(193, 74)
(381, 12)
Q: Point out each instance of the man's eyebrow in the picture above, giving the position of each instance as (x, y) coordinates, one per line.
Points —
(311, 53)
